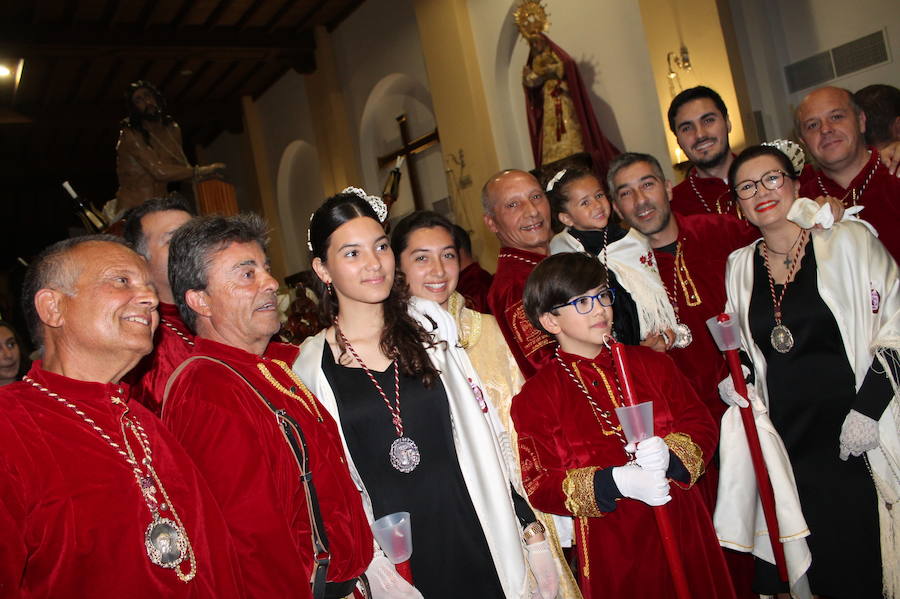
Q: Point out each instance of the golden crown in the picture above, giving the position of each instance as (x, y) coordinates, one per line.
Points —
(531, 18)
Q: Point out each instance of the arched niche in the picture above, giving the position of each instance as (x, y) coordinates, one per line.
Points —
(299, 192)
(379, 135)
(510, 57)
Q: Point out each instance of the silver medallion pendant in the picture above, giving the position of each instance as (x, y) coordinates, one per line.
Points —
(683, 335)
(404, 454)
(782, 339)
(166, 542)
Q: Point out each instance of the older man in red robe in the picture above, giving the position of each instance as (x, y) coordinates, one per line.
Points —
(517, 211)
(833, 127)
(149, 229)
(221, 404)
(97, 499)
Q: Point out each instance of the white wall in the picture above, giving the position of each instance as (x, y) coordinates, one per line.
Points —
(381, 70)
(775, 33)
(606, 38)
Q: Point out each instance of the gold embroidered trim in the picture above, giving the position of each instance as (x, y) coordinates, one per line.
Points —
(470, 336)
(308, 400)
(683, 276)
(579, 489)
(689, 453)
(586, 562)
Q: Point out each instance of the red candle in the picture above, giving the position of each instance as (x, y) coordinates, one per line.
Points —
(620, 363)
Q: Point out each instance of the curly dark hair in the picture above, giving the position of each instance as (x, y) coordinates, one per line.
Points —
(402, 338)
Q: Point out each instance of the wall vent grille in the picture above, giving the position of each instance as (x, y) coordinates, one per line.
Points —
(853, 56)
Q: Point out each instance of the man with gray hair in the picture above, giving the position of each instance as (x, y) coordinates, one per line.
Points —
(833, 127)
(516, 210)
(96, 497)
(149, 229)
(269, 450)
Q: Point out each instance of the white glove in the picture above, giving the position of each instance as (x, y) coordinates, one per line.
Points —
(859, 434)
(651, 454)
(649, 486)
(730, 396)
(386, 583)
(543, 566)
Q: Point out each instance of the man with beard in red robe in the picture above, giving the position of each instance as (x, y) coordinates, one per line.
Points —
(220, 404)
(516, 210)
(699, 119)
(97, 499)
(149, 228)
(833, 127)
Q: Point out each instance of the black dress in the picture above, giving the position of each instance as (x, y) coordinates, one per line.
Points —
(811, 389)
(451, 558)
(626, 324)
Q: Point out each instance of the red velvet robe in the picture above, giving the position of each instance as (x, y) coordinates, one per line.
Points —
(148, 379)
(715, 192)
(881, 198)
(619, 552)
(236, 443)
(530, 347)
(706, 242)
(72, 515)
(474, 283)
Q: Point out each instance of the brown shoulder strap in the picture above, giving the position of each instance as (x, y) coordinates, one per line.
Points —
(296, 441)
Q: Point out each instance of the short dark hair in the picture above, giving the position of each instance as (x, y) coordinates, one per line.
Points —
(463, 241)
(755, 152)
(420, 219)
(193, 246)
(51, 270)
(691, 94)
(134, 232)
(557, 279)
(624, 161)
(881, 103)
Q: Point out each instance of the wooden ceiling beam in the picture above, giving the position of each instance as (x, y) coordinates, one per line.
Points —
(220, 43)
(69, 116)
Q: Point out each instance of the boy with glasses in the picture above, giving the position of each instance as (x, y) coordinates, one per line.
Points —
(575, 460)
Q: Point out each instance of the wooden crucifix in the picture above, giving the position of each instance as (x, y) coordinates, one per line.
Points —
(409, 149)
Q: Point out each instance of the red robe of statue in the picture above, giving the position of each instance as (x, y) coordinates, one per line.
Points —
(72, 514)
(562, 442)
(530, 347)
(880, 197)
(703, 195)
(237, 445)
(596, 144)
(172, 343)
(474, 283)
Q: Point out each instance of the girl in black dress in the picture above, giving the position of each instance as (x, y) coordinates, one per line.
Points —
(403, 423)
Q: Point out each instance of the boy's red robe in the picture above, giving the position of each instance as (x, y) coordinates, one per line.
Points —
(234, 440)
(561, 444)
(72, 514)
